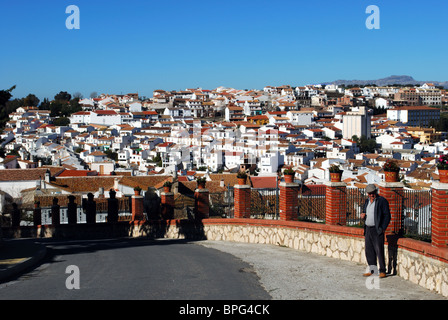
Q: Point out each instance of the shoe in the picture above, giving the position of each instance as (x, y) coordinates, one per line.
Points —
(367, 274)
(383, 275)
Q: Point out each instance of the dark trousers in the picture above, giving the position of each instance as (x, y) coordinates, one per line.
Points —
(374, 245)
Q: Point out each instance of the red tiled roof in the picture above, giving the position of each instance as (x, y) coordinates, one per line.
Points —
(77, 173)
(263, 182)
(106, 112)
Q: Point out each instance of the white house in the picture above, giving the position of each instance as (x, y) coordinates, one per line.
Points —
(269, 162)
(135, 107)
(214, 160)
(80, 117)
(382, 103)
(300, 117)
(105, 117)
(340, 153)
(96, 156)
(233, 159)
(103, 168)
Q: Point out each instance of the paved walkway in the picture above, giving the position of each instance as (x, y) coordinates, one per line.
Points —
(286, 274)
(289, 274)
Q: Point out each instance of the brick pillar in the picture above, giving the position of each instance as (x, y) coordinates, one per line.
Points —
(55, 213)
(439, 219)
(167, 204)
(336, 203)
(241, 201)
(37, 214)
(72, 209)
(393, 192)
(201, 204)
(137, 208)
(112, 207)
(289, 201)
(15, 215)
(90, 207)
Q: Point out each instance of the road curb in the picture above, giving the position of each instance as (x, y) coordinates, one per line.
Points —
(23, 265)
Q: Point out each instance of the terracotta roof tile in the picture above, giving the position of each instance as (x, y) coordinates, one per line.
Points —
(28, 174)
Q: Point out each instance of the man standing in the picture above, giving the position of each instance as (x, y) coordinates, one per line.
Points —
(376, 214)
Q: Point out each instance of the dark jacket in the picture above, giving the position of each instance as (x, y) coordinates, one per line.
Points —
(382, 213)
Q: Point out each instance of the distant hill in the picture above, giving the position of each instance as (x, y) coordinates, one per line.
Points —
(402, 80)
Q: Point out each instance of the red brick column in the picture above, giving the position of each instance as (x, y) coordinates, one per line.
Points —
(201, 204)
(336, 203)
(137, 208)
(439, 218)
(167, 204)
(242, 201)
(393, 192)
(289, 201)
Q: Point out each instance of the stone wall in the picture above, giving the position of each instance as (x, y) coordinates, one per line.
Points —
(424, 271)
(334, 246)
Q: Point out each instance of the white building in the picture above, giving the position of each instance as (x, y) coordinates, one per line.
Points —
(300, 118)
(233, 159)
(269, 162)
(213, 160)
(105, 117)
(356, 123)
(135, 107)
(414, 115)
(80, 117)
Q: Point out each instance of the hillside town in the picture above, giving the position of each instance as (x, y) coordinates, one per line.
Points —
(121, 141)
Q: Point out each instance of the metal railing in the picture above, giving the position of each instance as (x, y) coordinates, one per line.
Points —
(355, 199)
(124, 212)
(311, 203)
(264, 203)
(414, 206)
(416, 214)
(221, 204)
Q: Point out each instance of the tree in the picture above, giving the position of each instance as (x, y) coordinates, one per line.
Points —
(111, 154)
(367, 145)
(441, 124)
(56, 108)
(94, 94)
(45, 104)
(6, 109)
(63, 96)
(78, 95)
(74, 106)
(61, 121)
(5, 95)
(31, 101)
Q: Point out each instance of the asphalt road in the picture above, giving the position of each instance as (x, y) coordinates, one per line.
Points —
(134, 269)
(137, 269)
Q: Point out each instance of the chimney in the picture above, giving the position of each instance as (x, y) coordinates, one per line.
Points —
(222, 184)
(47, 176)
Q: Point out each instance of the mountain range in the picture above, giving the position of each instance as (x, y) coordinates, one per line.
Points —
(401, 80)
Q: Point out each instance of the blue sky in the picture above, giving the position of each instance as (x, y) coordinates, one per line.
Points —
(140, 46)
